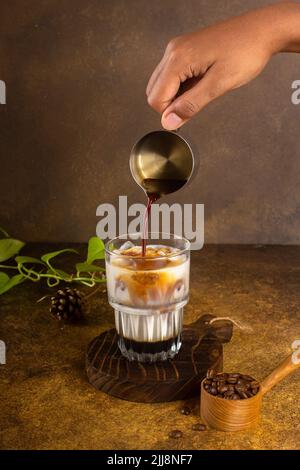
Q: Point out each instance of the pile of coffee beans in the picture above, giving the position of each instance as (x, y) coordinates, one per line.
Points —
(230, 386)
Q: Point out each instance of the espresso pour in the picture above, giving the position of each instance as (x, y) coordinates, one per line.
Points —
(154, 189)
(161, 163)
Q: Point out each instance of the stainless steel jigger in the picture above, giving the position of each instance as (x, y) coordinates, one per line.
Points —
(161, 162)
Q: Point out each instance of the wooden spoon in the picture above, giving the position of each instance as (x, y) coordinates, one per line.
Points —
(238, 415)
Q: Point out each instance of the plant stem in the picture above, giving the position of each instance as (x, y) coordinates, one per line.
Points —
(8, 267)
(53, 276)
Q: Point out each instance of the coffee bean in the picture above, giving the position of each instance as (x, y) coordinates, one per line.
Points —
(206, 386)
(185, 410)
(240, 388)
(232, 380)
(221, 383)
(223, 376)
(229, 393)
(241, 382)
(223, 389)
(213, 391)
(254, 391)
(249, 394)
(199, 427)
(243, 395)
(176, 434)
(210, 373)
(254, 384)
(235, 396)
(247, 377)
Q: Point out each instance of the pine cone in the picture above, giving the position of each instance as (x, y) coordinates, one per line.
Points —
(68, 305)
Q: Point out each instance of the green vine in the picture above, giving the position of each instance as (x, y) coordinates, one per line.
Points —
(37, 269)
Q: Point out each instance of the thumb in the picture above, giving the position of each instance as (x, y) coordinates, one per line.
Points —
(187, 105)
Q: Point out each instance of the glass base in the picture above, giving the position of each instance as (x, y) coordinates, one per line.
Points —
(149, 352)
(151, 337)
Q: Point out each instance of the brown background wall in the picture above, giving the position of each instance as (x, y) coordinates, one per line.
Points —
(76, 72)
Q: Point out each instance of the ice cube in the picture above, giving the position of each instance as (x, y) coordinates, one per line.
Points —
(161, 253)
(127, 245)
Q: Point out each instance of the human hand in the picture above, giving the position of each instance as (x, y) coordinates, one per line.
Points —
(199, 67)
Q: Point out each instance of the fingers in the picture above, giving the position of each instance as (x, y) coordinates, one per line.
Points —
(187, 105)
(155, 75)
(165, 80)
(164, 89)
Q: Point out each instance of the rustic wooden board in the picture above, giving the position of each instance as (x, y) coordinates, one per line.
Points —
(176, 379)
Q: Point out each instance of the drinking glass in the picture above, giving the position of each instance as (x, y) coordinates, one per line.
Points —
(148, 293)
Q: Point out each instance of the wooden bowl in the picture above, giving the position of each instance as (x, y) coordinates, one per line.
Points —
(230, 415)
(239, 415)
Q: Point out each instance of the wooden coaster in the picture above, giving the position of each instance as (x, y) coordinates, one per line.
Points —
(175, 379)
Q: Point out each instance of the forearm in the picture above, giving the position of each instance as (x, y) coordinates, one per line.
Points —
(283, 22)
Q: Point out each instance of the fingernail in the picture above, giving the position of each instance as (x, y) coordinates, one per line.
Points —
(172, 121)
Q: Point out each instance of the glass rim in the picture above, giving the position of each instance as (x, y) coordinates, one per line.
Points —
(128, 235)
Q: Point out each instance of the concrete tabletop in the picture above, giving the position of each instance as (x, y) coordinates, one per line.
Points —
(47, 403)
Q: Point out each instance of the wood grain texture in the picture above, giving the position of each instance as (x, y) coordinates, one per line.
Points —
(288, 366)
(110, 372)
(230, 415)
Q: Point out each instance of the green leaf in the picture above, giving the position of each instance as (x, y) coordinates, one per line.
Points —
(4, 232)
(28, 259)
(9, 247)
(4, 278)
(95, 249)
(88, 268)
(13, 281)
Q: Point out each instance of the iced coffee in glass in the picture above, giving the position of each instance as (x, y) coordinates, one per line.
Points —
(148, 293)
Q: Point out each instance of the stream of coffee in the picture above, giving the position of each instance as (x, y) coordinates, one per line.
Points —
(151, 198)
(155, 188)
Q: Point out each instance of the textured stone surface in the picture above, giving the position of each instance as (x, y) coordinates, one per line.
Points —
(76, 73)
(46, 401)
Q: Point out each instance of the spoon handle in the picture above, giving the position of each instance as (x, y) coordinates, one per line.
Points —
(289, 365)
